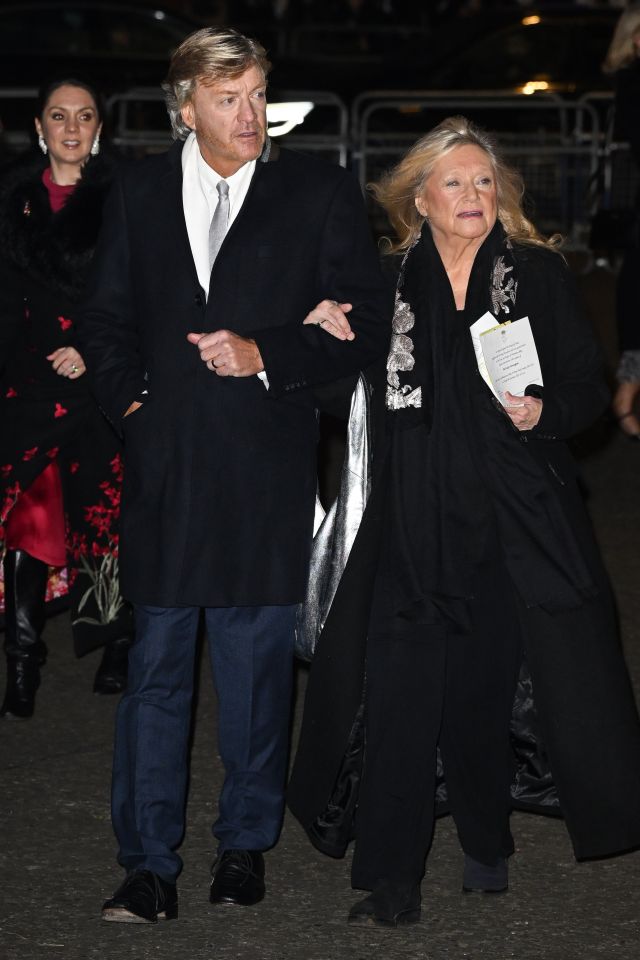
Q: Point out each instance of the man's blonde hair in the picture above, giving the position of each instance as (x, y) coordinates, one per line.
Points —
(207, 56)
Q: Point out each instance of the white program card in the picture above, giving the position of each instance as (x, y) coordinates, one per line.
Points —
(511, 358)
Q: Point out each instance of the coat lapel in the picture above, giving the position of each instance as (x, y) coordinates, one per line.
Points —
(172, 215)
(270, 155)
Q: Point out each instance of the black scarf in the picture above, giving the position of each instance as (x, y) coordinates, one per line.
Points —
(462, 484)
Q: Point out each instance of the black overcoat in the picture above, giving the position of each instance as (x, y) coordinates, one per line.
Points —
(220, 473)
(585, 732)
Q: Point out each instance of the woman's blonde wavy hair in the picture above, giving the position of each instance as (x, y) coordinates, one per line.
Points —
(622, 49)
(397, 189)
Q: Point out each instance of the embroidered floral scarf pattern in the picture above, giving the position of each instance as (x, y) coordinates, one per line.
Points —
(502, 292)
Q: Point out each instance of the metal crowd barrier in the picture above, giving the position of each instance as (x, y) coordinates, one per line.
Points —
(565, 150)
(139, 123)
(555, 144)
(618, 179)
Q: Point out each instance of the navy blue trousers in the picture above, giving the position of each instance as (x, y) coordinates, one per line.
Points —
(251, 652)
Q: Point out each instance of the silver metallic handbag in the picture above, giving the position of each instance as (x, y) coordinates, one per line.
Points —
(335, 536)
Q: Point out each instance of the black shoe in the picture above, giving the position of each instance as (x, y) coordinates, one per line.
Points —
(481, 878)
(144, 897)
(238, 877)
(23, 680)
(391, 904)
(111, 675)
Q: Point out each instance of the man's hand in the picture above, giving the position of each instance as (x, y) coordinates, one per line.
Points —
(227, 353)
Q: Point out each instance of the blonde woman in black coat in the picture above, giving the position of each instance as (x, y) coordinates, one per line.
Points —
(487, 575)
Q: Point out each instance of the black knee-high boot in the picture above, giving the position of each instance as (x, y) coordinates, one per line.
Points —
(25, 584)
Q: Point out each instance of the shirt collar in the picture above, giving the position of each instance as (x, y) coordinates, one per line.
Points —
(209, 179)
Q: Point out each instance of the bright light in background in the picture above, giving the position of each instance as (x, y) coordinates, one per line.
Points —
(532, 86)
(531, 21)
(286, 116)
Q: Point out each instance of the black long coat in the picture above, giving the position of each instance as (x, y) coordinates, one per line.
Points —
(585, 722)
(220, 473)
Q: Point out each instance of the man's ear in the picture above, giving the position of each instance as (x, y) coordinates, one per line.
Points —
(188, 115)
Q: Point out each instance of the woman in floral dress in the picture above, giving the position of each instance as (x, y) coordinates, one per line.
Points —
(60, 463)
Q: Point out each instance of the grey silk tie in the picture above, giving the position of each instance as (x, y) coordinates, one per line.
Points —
(219, 221)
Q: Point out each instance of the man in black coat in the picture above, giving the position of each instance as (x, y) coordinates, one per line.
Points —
(210, 258)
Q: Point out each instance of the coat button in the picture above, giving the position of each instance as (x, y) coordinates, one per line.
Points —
(198, 300)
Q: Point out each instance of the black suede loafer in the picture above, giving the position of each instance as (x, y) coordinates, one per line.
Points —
(238, 878)
(481, 878)
(144, 897)
(391, 904)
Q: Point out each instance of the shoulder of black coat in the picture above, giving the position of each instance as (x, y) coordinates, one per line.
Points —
(539, 258)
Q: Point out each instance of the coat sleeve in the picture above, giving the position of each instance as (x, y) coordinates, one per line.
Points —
(107, 331)
(578, 394)
(297, 356)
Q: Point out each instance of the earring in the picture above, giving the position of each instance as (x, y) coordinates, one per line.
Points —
(42, 144)
(95, 146)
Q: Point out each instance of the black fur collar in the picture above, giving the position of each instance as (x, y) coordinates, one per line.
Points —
(54, 249)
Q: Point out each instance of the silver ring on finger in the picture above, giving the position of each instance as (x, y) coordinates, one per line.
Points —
(74, 368)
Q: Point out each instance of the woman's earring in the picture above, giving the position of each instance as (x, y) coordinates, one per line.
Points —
(42, 144)
(95, 146)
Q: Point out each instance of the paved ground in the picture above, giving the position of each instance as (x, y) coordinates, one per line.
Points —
(57, 850)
